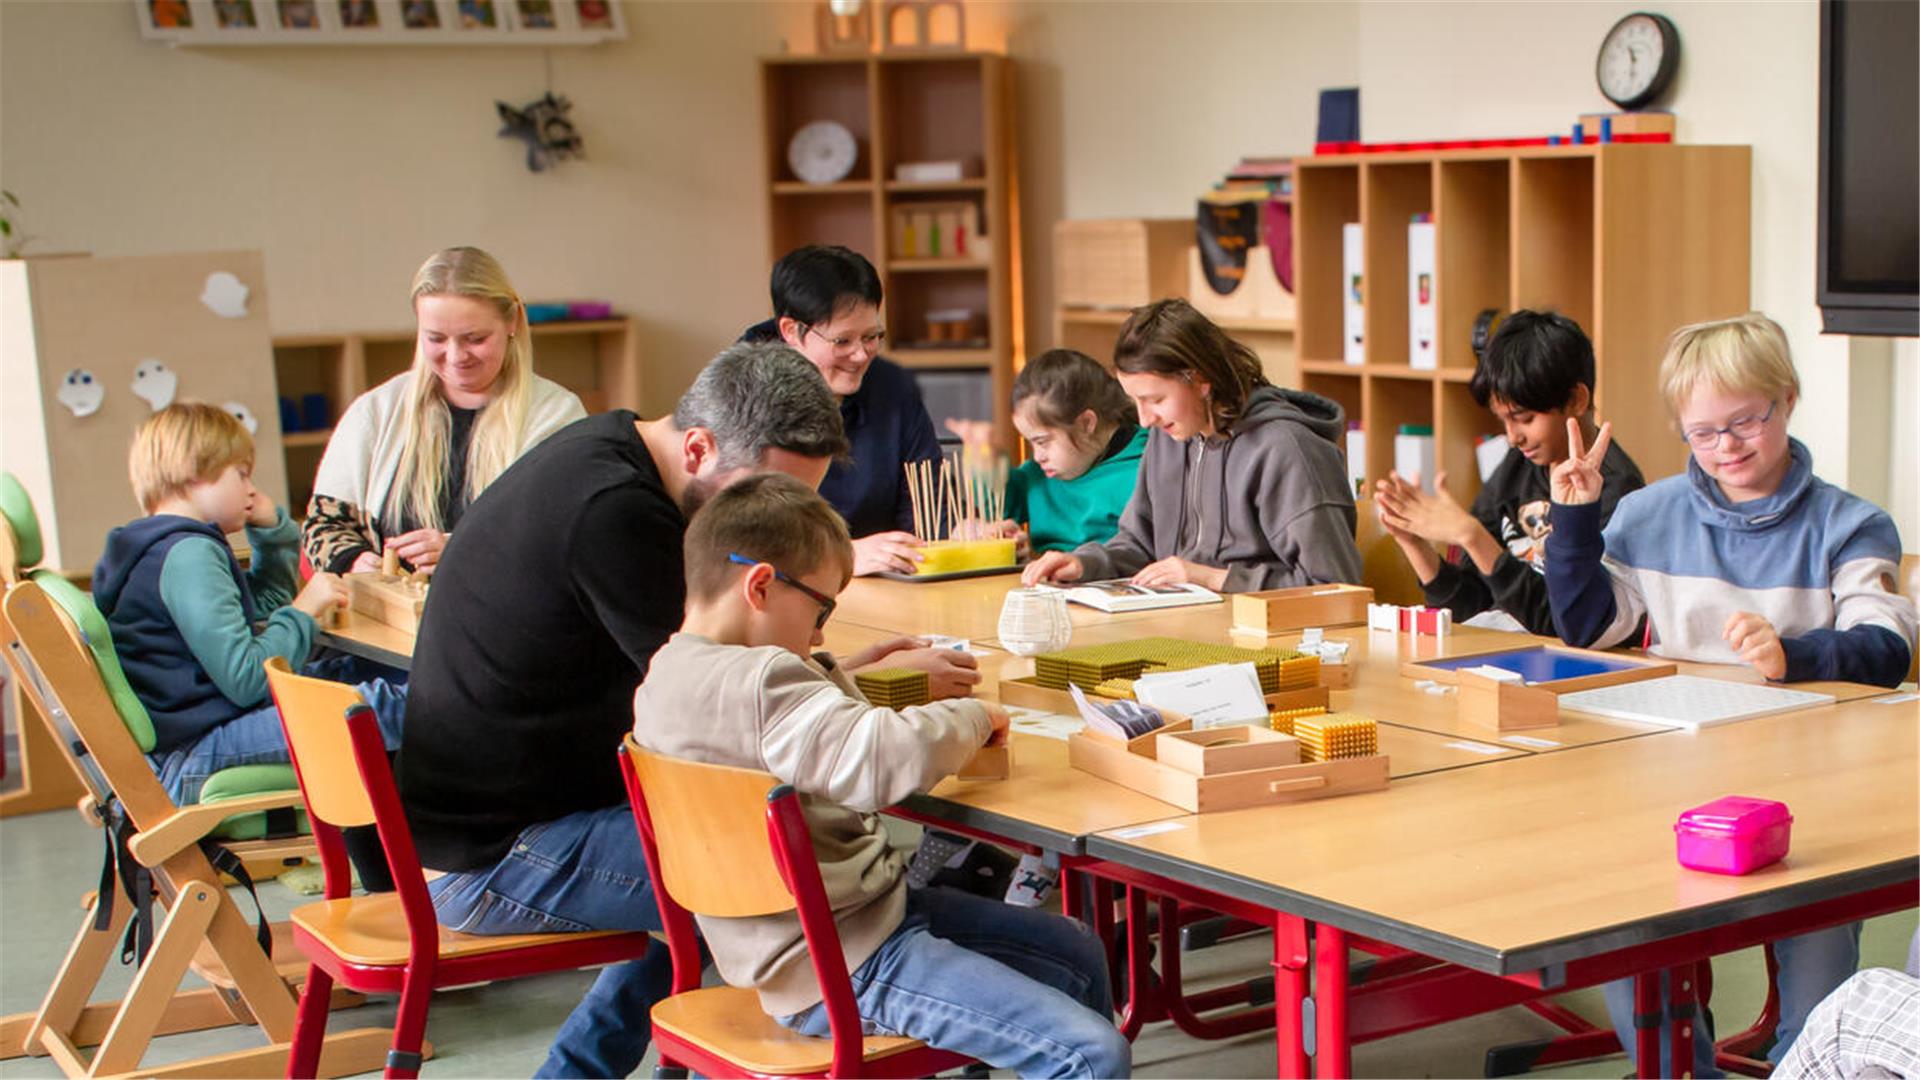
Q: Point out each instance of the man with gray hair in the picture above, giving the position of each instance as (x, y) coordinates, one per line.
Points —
(546, 607)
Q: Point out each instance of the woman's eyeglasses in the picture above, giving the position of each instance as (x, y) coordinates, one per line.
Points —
(873, 341)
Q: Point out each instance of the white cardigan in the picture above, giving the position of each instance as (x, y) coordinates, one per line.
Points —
(363, 456)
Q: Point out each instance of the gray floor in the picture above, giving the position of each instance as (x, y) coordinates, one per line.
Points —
(501, 1030)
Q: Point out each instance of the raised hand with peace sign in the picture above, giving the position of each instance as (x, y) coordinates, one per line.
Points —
(1576, 481)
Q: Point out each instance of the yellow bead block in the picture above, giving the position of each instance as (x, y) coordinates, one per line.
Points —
(1336, 735)
(952, 556)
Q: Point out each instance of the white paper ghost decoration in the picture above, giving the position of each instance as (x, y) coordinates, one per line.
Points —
(81, 392)
(224, 295)
(154, 384)
(244, 415)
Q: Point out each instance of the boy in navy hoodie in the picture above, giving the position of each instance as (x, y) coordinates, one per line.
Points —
(184, 615)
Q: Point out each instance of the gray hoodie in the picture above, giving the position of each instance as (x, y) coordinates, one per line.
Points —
(1269, 500)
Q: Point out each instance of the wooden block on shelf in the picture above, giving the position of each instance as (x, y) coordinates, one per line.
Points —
(397, 602)
(1259, 295)
(1120, 262)
(992, 762)
(1503, 702)
(1236, 748)
(1278, 611)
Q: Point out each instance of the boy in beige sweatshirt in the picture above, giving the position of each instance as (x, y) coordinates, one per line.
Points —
(740, 685)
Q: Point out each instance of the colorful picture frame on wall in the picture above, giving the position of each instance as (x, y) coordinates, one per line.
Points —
(379, 22)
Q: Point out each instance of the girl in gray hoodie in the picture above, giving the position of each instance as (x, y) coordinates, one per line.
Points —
(1242, 486)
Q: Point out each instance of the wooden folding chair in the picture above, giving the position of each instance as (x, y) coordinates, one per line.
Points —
(46, 781)
(733, 843)
(55, 642)
(389, 942)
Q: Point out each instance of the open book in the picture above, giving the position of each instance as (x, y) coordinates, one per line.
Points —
(1122, 595)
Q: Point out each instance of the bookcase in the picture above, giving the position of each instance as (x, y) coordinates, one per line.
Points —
(596, 359)
(1629, 240)
(900, 108)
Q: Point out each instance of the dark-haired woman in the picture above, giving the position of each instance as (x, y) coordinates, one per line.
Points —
(1242, 485)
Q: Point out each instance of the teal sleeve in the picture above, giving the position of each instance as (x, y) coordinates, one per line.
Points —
(275, 574)
(197, 587)
(1017, 494)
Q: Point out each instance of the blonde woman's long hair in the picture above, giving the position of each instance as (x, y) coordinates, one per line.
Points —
(498, 430)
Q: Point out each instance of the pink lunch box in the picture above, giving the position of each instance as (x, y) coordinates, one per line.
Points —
(1733, 835)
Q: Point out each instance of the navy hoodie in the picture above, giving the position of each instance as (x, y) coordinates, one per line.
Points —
(182, 615)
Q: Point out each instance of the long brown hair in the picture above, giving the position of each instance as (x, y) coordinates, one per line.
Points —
(1168, 337)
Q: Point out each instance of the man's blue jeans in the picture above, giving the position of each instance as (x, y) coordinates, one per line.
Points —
(580, 872)
(1017, 988)
(1811, 967)
(256, 738)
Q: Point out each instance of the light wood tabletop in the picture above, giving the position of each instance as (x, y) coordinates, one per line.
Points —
(1552, 857)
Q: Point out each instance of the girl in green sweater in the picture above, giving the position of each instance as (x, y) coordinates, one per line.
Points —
(1085, 444)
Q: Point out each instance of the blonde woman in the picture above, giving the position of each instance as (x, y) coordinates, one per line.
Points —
(409, 455)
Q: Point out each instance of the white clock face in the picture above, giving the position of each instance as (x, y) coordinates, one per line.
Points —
(822, 152)
(1630, 58)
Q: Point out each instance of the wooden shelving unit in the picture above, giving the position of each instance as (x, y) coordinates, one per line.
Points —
(599, 360)
(902, 108)
(1628, 240)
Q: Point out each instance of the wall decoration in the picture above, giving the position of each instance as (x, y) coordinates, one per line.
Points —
(81, 392)
(225, 296)
(380, 22)
(544, 127)
(155, 384)
(244, 415)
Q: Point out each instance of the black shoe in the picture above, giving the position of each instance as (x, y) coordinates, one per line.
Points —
(986, 872)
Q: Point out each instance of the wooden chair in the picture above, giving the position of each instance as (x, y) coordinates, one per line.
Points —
(1909, 587)
(732, 843)
(54, 640)
(46, 781)
(389, 942)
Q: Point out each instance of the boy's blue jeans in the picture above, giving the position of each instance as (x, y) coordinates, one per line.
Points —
(584, 871)
(256, 738)
(1811, 967)
(1017, 988)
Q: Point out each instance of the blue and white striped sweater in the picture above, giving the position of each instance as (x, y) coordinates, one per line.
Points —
(1816, 561)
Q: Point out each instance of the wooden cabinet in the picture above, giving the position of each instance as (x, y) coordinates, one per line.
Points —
(598, 359)
(903, 109)
(1629, 240)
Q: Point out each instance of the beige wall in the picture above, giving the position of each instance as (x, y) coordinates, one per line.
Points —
(348, 166)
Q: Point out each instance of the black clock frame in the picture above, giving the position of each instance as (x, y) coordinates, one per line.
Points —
(1662, 77)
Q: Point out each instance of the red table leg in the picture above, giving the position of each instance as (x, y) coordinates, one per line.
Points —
(1646, 1023)
(1680, 982)
(1332, 1055)
(1289, 995)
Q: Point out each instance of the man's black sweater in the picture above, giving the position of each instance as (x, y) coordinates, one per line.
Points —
(1514, 507)
(547, 606)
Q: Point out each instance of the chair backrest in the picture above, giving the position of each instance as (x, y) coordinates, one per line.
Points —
(314, 712)
(709, 825)
(1383, 566)
(1909, 587)
(19, 530)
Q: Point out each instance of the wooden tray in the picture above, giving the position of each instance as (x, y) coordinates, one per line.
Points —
(1277, 611)
(951, 575)
(1620, 669)
(389, 600)
(1140, 770)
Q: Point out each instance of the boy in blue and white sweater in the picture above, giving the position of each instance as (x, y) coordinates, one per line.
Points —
(1748, 558)
(183, 614)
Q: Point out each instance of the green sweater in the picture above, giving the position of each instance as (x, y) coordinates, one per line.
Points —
(1060, 515)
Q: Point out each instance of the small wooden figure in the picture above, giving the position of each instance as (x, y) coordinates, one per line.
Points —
(1501, 700)
(390, 563)
(837, 33)
(994, 761)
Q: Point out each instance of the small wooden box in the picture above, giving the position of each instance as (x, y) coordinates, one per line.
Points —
(1505, 705)
(993, 762)
(394, 601)
(1626, 669)
(1278, 611)
(1223, 791)
(1226, 749)
(1120, 262)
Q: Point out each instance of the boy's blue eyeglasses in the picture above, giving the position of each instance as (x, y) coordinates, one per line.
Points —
(827, 603)
(1744, 428)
